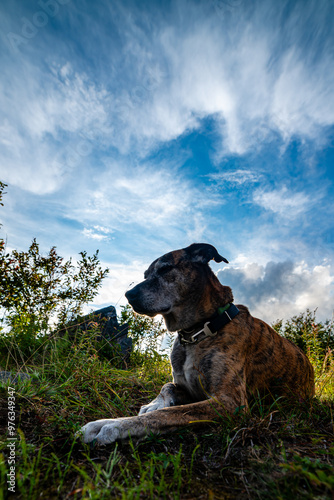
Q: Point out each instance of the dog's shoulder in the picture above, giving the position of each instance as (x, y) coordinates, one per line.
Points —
(250, 326)
(243, 310)
(244, 316)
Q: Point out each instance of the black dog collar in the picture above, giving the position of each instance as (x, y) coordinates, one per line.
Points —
(210, 328)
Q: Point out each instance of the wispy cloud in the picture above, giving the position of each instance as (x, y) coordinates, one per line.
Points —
(143, 197)
(46, 134)
(283, 202)
(238, 177)
(97, 233)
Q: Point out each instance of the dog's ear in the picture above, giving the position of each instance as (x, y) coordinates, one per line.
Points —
(203, 252)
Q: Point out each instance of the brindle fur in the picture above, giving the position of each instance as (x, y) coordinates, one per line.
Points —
(218, 374)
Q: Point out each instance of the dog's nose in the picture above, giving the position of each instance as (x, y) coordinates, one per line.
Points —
(131, 294)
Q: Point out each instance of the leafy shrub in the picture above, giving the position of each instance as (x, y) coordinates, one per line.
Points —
(2, 187)
(36, 290)
(314, 338)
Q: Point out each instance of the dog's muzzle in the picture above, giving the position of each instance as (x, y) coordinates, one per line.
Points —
(143, 301)
(134, 298)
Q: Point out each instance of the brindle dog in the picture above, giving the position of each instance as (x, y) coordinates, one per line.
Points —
(221, 356)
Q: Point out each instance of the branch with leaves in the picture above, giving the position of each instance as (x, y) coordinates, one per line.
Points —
(47, 288)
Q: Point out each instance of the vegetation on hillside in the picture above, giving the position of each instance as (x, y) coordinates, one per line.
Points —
(281, 451)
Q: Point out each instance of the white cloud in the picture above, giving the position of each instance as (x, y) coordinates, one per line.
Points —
(72, 103)
(98, 233)
(238, 176)
(283, 202)
(279, 290)
(105, 230)
(303, 100)
(257, 75)
(89, 233)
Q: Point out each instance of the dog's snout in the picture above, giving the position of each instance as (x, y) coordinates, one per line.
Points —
(131, 294)
(136, 299)
(146, 299)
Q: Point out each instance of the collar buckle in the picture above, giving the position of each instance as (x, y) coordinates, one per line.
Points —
(206, 330)
(225, 315)
(193, 338)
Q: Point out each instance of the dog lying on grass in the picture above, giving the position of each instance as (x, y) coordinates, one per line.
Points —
(221, 356)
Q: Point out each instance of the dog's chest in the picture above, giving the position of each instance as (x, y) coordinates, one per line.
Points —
(186, 371)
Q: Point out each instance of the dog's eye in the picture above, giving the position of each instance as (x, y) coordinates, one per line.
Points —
(164, 270)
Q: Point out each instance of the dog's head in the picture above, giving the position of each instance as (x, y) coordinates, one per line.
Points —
(175, 283)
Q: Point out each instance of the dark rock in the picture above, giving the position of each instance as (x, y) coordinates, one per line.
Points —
(13, 378)
(110, 329)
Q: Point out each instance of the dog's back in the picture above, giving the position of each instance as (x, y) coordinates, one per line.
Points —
(272, 363)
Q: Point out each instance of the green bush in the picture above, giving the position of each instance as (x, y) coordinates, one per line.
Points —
(36, 290)
(314, 338)
(2, 187)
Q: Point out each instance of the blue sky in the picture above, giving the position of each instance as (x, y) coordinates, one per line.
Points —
(141, 127)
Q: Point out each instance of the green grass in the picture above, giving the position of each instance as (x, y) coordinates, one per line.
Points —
(277, 452)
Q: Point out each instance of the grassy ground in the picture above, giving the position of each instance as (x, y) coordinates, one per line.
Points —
(279, 452)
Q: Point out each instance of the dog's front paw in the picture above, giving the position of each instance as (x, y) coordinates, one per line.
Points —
(103, 431)
(157, 404)
(147, 408)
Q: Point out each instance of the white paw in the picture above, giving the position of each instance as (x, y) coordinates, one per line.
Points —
(157, 404)
(104, 431)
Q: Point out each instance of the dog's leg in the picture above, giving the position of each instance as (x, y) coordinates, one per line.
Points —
(170, 395)
(162, 421)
